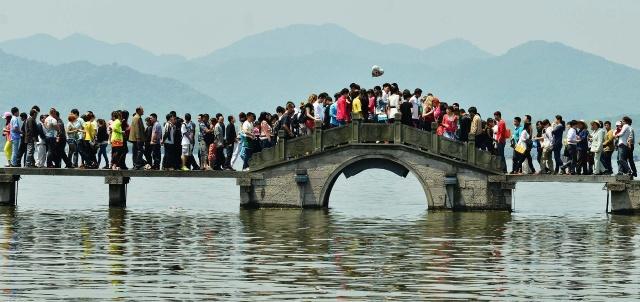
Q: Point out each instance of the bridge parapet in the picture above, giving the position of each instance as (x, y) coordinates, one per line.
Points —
(371, 133)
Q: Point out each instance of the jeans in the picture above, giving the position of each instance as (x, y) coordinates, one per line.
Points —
(632, 164)
(30, 161)
(73, 151)
(169, 159)
(102, 152)
(229, 153)
(245, 154)
(557, 157)
(623, 159)
(87, 153)
(52, 157)
(15, 152)
(572, 157)
(203, 152)
(500, 153)
(546, 163)
(148, 154)
(138, 154)
(606, 161)
(582, 168)
(155, 155)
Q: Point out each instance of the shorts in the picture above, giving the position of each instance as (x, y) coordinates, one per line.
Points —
(187, 150)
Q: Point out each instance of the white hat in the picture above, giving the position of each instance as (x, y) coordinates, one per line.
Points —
(618, 123)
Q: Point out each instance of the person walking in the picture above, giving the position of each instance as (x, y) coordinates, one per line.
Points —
(571, 149)
(597, 147)
(102, 140)
(517, 131)
(41, 145)
(219, 139)
(501, 134)
(582, 148)
(632, 144)
(117, 140)
(608, 148)
(136, 137)
(156, 142)
(247, 137)
(231, 140)
(88, 142)
(547, 145)
(31, 137)
(16, 135)
(558, 128)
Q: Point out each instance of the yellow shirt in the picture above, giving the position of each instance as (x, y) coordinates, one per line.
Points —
(89, 131)
(356, 106)
(116, 131)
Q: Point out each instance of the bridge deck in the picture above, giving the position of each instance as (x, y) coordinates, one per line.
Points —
(121, 173)
(560, 178)
(240, 174)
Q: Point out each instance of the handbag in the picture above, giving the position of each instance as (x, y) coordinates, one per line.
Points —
(117, 143)
(520, 148)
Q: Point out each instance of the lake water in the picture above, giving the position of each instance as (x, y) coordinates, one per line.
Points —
(187, 239)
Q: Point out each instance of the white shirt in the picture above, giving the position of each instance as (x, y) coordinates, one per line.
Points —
(50, 125)
(572, 137)
(415, 107)
(624, 135)
(394, 103)
(597, 140)
(247, 127)
(524, 136)
(547, 137)
(318, 111)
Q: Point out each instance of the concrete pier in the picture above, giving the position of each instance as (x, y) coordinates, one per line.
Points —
(8, 189)
(117, 191)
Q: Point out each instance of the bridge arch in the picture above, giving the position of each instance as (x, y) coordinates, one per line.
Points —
(361, 163)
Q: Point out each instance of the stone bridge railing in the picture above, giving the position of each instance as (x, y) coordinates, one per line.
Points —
(358, 133)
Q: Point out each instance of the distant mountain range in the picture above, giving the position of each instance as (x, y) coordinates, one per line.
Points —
(264, 70)
(86, 86)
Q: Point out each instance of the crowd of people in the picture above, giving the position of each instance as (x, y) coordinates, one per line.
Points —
(46, 140)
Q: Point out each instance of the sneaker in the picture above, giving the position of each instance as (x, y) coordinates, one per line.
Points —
(184, 169)
(245, 170)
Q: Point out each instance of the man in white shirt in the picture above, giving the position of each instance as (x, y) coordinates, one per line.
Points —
(547, 148)
(188, 132)
(625, 151)
(415, 106)
(318, 107)
(571, 149)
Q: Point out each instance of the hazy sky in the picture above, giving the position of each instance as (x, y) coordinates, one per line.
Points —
(194, 28)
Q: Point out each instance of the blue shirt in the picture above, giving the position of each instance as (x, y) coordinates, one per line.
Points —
(333, 112)
(517, 132)
(584, 139)
(15, 128)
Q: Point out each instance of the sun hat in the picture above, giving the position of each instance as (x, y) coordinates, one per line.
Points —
(7, 114)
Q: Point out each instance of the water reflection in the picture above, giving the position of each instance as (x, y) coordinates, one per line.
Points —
(312, 255)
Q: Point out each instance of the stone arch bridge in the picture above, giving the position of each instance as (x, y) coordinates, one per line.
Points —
(302, 171)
